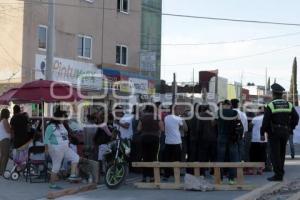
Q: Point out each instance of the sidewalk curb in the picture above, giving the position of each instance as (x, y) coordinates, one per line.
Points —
(70, 191)
(268, 188)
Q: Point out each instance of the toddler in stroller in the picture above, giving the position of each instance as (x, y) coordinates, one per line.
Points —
(19, 157)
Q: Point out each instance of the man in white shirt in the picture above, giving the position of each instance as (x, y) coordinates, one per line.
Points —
(124, 124)
(258, 147)
(257, 123)
(173, 138)
(244, 120)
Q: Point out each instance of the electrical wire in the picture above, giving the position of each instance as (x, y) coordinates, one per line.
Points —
(184, 44)
(231, 19)
(236, 58)
(231, 42)
(159, 12)
(198, 17)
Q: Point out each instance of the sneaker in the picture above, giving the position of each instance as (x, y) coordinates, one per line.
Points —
(232, 182)
(54, 186)
(74, 178)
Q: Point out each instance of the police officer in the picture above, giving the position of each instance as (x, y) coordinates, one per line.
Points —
(279, 121)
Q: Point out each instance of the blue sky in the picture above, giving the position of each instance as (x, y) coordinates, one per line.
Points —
(186, 30)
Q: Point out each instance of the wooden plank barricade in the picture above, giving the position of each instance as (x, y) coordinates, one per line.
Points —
(217, 166)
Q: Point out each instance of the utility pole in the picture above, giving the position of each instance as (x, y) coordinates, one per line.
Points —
(193, 86)
(266, 86)
(174, 89)
(241, 91)
(50, 39)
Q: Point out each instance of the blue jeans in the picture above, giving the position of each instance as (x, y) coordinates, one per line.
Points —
(228, 151)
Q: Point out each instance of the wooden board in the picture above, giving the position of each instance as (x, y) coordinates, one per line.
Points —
(199, 164)
(156, 176)
(165, 186)
(172, 186)
(177, 175)
(240, 176)
(197, 172)
(217, 175)
(70, 191)
(268, 188)
(234, 187)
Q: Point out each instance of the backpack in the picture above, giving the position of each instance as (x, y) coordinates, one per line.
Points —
(237, 131)
(101, 137)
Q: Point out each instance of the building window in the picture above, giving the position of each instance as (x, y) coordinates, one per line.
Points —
(122, 55)
(42, 36)
(84, 46)
(123, 6)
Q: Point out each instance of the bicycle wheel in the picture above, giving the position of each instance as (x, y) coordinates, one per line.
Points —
(115, 175)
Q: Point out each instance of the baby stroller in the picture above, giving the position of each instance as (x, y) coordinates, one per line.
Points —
(19, 157)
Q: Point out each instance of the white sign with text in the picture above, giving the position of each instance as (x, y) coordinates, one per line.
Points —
(140, 85)
(70, 71)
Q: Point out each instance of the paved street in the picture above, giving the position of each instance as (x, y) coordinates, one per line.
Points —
(131, 193)
(10, 190)
(113, 81)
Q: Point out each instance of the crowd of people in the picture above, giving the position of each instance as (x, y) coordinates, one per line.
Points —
(173, 134)
(187, 136)
(205, 135)
(156, 133)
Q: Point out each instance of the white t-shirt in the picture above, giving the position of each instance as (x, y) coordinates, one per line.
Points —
(172, 129)
(244, 120)
(61, 134)
(126, 133)
(257, 123)
(3, 133)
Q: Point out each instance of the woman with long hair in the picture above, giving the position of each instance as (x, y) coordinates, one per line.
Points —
(5, 132)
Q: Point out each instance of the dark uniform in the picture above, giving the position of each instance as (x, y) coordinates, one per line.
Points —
(280, 119)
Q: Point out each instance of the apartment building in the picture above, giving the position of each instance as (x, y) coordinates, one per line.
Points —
(91, 37)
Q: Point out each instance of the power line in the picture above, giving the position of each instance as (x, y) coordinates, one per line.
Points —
(168, 14)
(198, 44)
(231, 19)
(236, 58)
(229, 42)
